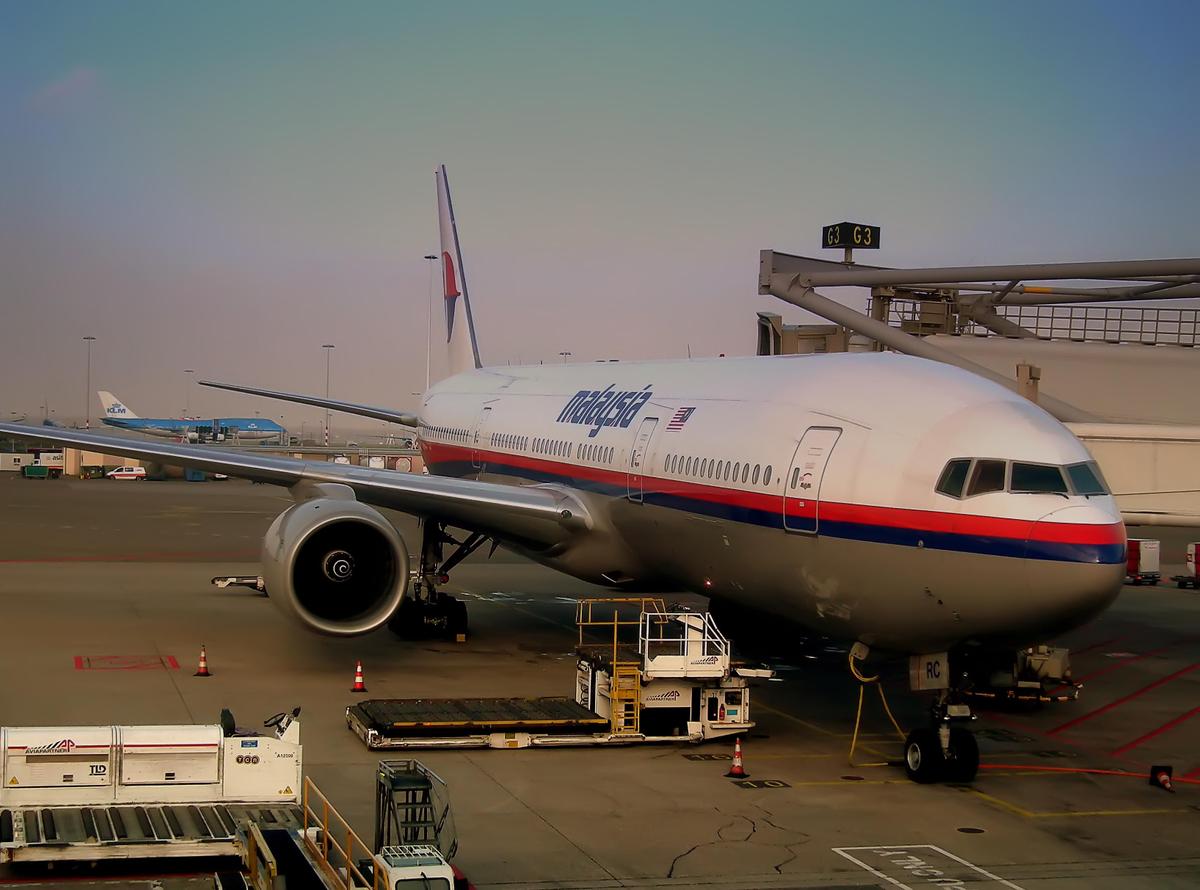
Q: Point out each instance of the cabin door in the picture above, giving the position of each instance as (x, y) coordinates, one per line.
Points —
(637, 458)
(802, 486)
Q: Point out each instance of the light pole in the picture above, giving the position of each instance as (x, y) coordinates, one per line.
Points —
(87, 390)
(327, 347)
(429, 318)
(565, 356)
(187, 411)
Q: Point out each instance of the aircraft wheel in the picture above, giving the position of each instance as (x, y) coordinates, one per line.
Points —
(923, 760)
(963, 763)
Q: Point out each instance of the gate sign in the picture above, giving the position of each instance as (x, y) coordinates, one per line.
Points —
(848, 234)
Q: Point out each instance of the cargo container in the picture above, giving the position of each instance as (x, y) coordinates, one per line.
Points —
(1189, 577)
(1142, 561)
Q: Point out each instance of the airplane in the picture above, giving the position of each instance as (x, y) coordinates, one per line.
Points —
(893, 502)
(116, 414)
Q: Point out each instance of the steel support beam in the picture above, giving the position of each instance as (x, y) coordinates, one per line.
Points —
(791, 289)
(957, 276)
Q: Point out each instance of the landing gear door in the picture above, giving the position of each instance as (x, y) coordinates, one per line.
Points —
(479, 443)
(637, 458)
(802, 487)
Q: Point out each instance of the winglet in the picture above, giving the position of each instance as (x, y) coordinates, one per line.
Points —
(461, 344)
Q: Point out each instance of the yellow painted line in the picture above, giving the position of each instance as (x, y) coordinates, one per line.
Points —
(1111, 813)
(819, 729)
(829, 783)
(1003, 804)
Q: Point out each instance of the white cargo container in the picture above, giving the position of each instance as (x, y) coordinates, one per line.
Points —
(1142, 561)
(1189, 578)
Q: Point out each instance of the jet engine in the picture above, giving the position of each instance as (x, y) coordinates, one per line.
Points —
(335, 565)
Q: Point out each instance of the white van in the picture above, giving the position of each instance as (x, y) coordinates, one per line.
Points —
(138, 473)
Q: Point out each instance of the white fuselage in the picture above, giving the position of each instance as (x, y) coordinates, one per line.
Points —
(802, 486)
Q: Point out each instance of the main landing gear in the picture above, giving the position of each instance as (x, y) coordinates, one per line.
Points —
(427, 612)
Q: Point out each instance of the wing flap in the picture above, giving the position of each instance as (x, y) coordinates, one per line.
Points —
(541, 514)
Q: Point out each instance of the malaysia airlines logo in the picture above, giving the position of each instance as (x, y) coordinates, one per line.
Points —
(450, 291)
(675, 424)
(604, 407)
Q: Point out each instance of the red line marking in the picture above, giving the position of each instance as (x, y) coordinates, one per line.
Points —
(1123, 699)
(79, 663)
(1033, 768)
(1170, 724)
(1119, 663)
(236, 555)
(172, 664)
(1192, 774)
(126, 663)
(1097, 645)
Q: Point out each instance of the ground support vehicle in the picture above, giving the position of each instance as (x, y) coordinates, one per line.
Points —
(40, 471)
(644, 674)
(413, 831)
(1142, 565)
(1189, 578)
(144, 792)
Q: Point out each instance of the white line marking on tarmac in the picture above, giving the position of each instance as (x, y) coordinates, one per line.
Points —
(932, 877)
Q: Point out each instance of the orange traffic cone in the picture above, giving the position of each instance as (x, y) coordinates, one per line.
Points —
(202, 669)
(737, 771)
(1160, 777)
(359, 684)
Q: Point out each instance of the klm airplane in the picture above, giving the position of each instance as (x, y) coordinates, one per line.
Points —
(216, 430)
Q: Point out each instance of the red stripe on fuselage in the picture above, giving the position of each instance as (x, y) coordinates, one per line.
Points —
(833, 511)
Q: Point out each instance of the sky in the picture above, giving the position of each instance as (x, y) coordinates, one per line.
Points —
(224, 187)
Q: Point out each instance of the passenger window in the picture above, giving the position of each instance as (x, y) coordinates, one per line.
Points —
(767, 475)
(1086, 479)
(951, 481)
(727, 465)
(745, 472)
(795, 476)
(1037, 479)
(757, 467)
(687, 469)
(736, 468)
(987, 475)
(720, 467)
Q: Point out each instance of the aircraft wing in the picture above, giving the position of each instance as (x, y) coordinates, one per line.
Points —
(542, 515)
(400, 417)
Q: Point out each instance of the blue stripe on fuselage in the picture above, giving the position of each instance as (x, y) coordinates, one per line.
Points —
(1104, 554)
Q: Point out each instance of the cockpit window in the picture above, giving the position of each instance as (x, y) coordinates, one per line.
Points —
(1037, 478)
(953, 478)
(987, 475)
(1085, 479)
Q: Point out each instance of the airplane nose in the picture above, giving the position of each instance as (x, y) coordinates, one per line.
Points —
(1075, 562)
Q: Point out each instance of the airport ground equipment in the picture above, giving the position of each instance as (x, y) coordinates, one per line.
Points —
(643, 674)
(412, 807)
(1142, 565)
(40, 471)
(253, 582)
(343, 860)
(144, 792)
(1189, 578)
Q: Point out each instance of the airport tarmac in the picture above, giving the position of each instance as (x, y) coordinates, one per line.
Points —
(97, 574)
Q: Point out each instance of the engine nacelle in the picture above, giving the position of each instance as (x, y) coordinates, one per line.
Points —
(335, 565)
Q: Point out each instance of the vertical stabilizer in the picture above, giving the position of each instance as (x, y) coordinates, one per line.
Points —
(113, 407)
(460, 328)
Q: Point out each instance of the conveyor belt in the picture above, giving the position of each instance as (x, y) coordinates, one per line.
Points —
(30, 833)
(451, 716)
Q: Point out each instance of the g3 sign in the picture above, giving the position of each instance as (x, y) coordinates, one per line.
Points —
(849, 234)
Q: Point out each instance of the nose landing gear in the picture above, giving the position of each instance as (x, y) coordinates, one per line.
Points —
(942, 752)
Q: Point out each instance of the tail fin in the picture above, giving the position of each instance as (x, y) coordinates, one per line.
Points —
(114, 408)
(460, 327)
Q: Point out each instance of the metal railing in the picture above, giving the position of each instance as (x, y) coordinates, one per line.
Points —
(335, 845)
(1149, 325)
